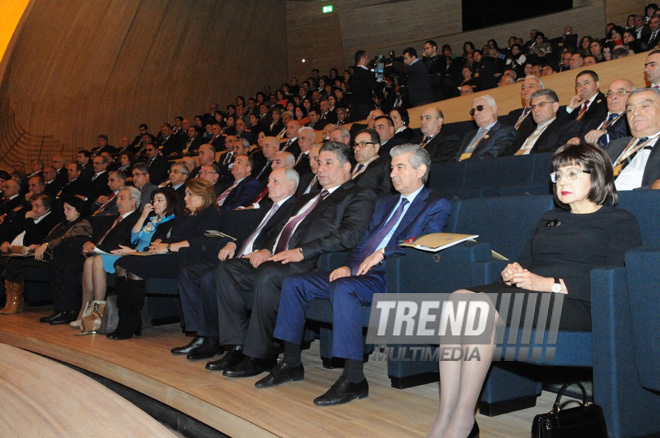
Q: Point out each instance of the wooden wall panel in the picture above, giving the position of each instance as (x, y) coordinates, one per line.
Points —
(617, 11)
(79, 69)
(380, 26)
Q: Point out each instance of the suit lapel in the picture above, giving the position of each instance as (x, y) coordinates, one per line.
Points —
(413, 211)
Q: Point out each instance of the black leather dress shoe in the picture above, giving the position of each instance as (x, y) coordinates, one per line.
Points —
(208, 349)
(342, 392)
(50, 317)
(231, 358)
(282, 373)
(249, 367)
(64, 317)
(196, 342)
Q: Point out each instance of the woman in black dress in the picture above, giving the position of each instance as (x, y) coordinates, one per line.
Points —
(201, 214)
(585, 232)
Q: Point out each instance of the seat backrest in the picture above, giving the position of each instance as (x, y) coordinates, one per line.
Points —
(542, 167)
(499, 172)
(642, 276)
(505, 222)
(446, 175)
(645, 206)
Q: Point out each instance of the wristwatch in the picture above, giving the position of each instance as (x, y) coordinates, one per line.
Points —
(556, 288)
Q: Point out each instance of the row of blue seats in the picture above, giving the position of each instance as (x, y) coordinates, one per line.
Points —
(623, 348)
(503, 176)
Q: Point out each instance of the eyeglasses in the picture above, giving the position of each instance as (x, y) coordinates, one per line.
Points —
(207, 172)
(571, 175)
(136, 174)
(619, 92)
(362, 144)
(540, 105)
(176, 171)
(478, 108)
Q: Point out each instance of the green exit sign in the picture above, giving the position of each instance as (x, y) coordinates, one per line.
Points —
(327, 9)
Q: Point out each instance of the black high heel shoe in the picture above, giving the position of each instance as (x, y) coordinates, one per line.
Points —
(474, 433)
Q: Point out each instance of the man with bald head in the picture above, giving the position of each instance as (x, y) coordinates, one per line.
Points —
(440, 145)
(615, 124)
(491, 139)
(206, 157)
(636, 159)
(291, 144)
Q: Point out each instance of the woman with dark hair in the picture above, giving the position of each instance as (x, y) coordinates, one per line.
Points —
(400, 118)
(199, 121)
(165, 207)
(631, 42)
(230, 128)
(57, 244)
(282, 98)
(446, 50)
(200, 214)
(541, 46)
(240, 100)
(585, 232)
(596, 50)
(126, 160)
(630, 22)
(615, 36)
(516, 59)
(300, 114)
(293, 84)
(218, 118)
(649, 12)
(584, 45)
(468, 48)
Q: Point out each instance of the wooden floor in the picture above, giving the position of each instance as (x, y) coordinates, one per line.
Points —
(234, 406)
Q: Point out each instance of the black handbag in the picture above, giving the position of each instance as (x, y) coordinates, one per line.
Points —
(584, 421)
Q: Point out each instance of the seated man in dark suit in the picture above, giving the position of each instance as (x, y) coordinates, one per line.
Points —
(98, 185)
(521, 119)
(206, 154)
(192, 142)
(636, 159)
(371, 170)
(492, 138)
(158, 165)
(415, 211)
(588, 105)
(384, 126)
(306, 139)
(52, 182)
(269, 146)
(197, 281)
(244, 189)
(615, 124)
(177, 180)
(309, 183)
(440, 145)
(168, 143)
(106, 205)
(551, 132)
(102, 146)
(333, 220)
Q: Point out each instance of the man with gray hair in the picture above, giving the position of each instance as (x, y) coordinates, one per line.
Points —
(306, 139)
(197, 281)
(340, 135)
(492, 138)
(177, 180)
(521, 118)
(551, 132)
(414, 211)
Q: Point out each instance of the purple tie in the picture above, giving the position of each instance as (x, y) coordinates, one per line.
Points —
(287, 231)
(375, 240)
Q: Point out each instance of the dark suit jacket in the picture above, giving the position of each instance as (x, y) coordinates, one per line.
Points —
(170, 146)
(363, 83)
(293, 148)
(616, 130)
(305, 181)
(554, 136)
(442, 147)
(652, 169)
(242, 194)
(120, 235)
(274, 224)
(385, 149)
(194, 146)
(97, 188)
(36, 233)
(597, 111)
(158, 170)
(499, 139)
(419, 84)
(336, 224)
(76, 187)
(427, 214)
(376, 177)
(526, 127)
(303, 166)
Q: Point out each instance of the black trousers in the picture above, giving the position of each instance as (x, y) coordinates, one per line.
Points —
(65, 277)
(242, 288)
